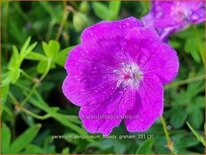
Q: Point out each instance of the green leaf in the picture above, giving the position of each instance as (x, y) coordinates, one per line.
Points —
(101, 10)
(42, 66)
(80, 21)
(31, 148)
(1, 109)
(179, 118)
(195, 44)
(65, 150)
(63, 119)
(26, 49)
(145, 147)
(14, 62)
(26, 44)
(70, 137)
(24, 139)
(62, 56)
(198, 136)
(36, 56)
(194, 88)
(190, 48)
(52, 49)
(185, 141)
(175, 43)
(4, 93)
(55, 15)
(7, 110)
(196, 117)
(6, 137)
(14, 75)
(119, 148)
(114, 7)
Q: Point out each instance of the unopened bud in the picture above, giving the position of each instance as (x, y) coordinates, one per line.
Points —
(84, 7)
(79, 21)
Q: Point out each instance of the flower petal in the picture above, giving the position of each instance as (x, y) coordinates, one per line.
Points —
(107, 38)
(87, 81)
(148, 105)
(104, 116)
(152, 56)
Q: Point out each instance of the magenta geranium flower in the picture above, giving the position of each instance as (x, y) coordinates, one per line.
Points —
(117, 74)
(172, 16)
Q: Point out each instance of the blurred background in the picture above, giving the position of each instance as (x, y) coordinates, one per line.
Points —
(35, 115)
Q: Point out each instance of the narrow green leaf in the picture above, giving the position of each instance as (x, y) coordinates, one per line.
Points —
(61, 58)
(52, 49)
(145, 147)
(45, 48)
(4, 93)
(42, 66)
(185, 141)
(1, 109)
(7, 110)
(65, 150)
(14, 75)
(119, 148)
(14, 62)
(196, 117)
(114, 7)
(198, 136)
(33, 149)
(26, 44)
(63, 119)
(30, 48)
(50, 10)
(101, 10)
(69, 137)
(24, 139)
(6, 137)
(36, 56)
(179, 118)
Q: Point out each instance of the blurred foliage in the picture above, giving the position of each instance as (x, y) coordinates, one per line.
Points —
(36, 38)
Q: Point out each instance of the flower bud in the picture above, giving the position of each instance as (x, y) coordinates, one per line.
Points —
(84, 7)
(79, 21)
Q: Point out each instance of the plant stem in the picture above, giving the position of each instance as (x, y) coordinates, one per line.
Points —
(29, 94)
(37, 84)
(15, 102)
(64, 18)
(189, 80)
(35, 115)
(169, 141)
(26, 75)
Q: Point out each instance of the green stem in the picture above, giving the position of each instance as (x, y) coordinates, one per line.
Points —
(35, 115)
(29, 95)
(169, 141)
(14, 100)
(26, 75)
(37, 84)
(47, 70)
(26, 110)
(63, 21)
(189, 80)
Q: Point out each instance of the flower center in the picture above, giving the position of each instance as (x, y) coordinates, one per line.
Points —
(129, 75)
(179, 13)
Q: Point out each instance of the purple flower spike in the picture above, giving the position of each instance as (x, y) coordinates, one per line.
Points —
(172, 16)
(117, 73)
